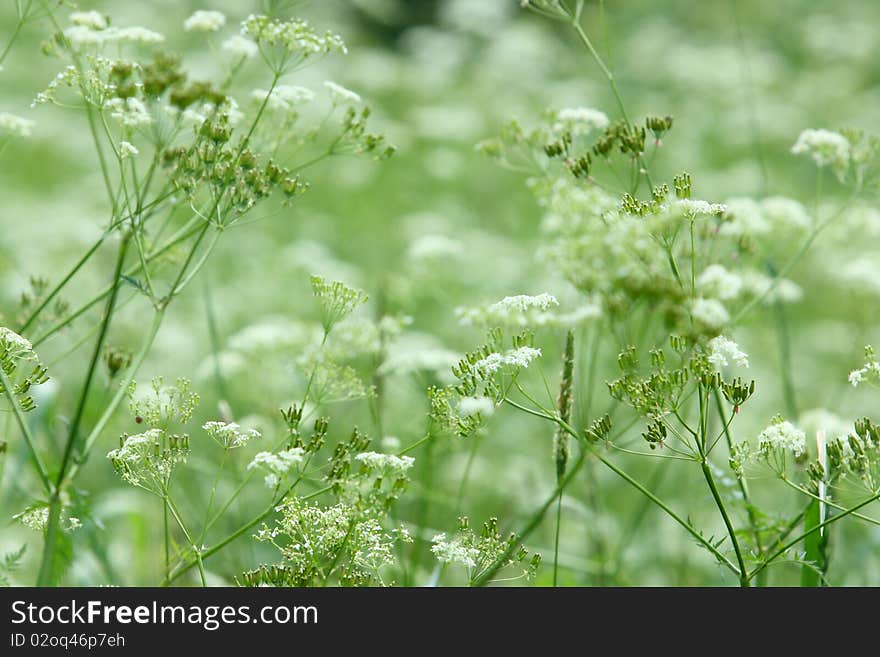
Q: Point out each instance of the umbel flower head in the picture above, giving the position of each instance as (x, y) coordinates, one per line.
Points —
(21, 368)
(146, 460)
(286, 45)
(230, 435)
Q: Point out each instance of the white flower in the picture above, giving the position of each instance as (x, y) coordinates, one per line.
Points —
(709, 312)
(284, 97)
(127, 149)
(723, 351)
(278, 464)
(454, 551)
(377, 461)
(240, 46)
(520, 357)
(783, 435)
(855, 377)
(204, 21)
(91, 19)
(786, 211)
(340, 95)
(580, 120)
(130, 112)
(15, 346)
(718, 282)
(16, 126)
(133, 35)
(694, 207)
(524, 302)
(230, 435)
(137, 448)
(824, 146)
(470, 406)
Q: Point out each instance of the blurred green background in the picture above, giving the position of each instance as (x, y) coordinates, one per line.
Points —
(741, 77)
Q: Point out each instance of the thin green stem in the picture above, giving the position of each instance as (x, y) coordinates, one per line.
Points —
(792, 542)
(743, 572)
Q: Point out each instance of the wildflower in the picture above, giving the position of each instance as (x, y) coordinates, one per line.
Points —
(519, 358)
(147, 459)
(94, 20)
(709, 312)
(693, 207)
(454, 551)
(580, 120)
(204, 21)
(14, 346)
(782, 434)
(869, 372)
(340, 95)
(523, 302)
(36, 517)
(827, 148)
(133, 35)
(229, 434)
(337, 300)
(294, 41)
(283, 97)
(15, 126)
(240, 46)
(786, 212)
(722, 351)
(389, 462)
(277, 464)
(126, 149)
(718, 282)
(469, 406)
(130, 112)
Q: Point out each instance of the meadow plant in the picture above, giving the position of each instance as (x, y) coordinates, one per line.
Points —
(634, 345)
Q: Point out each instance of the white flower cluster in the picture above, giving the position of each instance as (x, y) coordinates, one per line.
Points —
(284, 97)
(386, 462)
(527, 310)
(204, 21)
(130, 112)
(36, 517)
(694, 207)
(295, 36)
(229, 434)
(470, 406)
(748, 217)
(524, 302)
(15, 346)
(340, 95)
(454, 551)
(93, 29)
(239, 46)
(827, 148)
(517, 358)
(783, 435)
(278, 464)
(127, 149)
(580, 120)
(147, 459)
(716, 281)
(15, 126)
(711, 313)
(94, 20)
(723, 351)
(869, 372)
